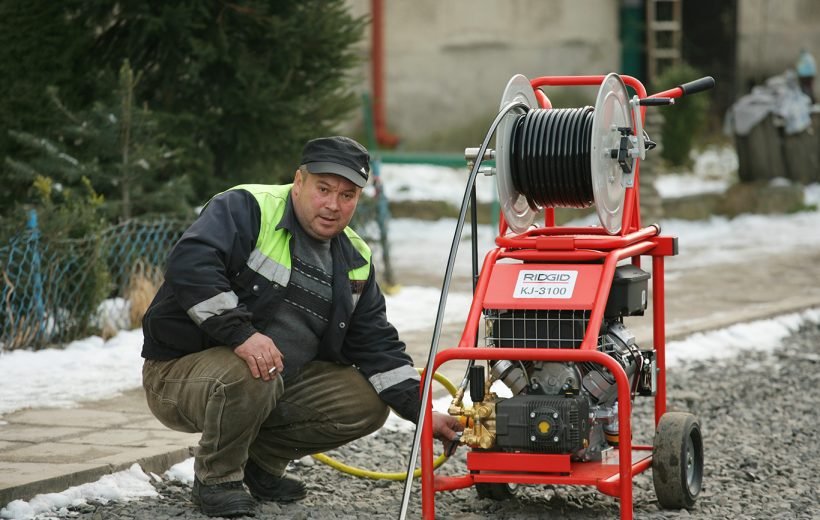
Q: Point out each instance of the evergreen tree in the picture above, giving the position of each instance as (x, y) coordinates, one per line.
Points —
(236, 88)
(686, 120)
(115, 147)
(256, 79)
(41, 44)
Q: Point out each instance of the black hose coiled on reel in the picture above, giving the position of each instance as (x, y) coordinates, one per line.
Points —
(550, 157)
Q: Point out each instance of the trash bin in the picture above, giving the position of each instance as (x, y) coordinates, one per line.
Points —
(759, 152)
(776, 133)
(800, 153)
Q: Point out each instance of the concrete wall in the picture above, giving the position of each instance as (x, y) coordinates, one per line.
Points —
(771, 34)
(447, 62)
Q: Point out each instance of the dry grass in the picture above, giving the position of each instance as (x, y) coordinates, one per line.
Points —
(24, 332)
(142, 287)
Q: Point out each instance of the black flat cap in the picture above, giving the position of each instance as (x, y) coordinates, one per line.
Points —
(338, 155)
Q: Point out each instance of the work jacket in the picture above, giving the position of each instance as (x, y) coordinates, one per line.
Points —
(228, 275)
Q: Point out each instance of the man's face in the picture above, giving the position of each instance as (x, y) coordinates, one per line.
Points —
(324, 203)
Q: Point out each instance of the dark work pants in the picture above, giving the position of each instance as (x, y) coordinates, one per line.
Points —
(213, 392)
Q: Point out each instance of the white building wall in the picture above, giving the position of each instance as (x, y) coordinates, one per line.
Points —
(771, 34)
(446, 62)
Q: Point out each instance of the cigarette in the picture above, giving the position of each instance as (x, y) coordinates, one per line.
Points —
(272, 370)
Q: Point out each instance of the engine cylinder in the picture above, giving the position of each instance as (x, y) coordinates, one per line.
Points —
(512, 375)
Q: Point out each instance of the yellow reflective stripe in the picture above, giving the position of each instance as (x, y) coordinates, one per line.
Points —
(271, 258)
(385, 380)
(269, 268)
(214, 306)
(363, 272)
(271, 242)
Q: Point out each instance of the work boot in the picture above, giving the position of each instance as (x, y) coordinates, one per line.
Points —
(265, 486)
(226, 499)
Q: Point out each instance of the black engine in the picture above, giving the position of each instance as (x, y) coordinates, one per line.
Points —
(568, 407)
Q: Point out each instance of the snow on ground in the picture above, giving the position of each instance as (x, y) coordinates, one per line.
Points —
(130, 484)
(713, 171)
(720, 240)
(94, 369)
(702, 243)
(133, 483)
(87, 369)
(91, 369)
(425, 182)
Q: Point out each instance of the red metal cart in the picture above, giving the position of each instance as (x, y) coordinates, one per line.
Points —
(551, 271)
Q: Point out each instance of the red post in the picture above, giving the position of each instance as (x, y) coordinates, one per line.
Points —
(383, 137)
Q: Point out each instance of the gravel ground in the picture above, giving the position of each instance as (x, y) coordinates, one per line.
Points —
(758, 416)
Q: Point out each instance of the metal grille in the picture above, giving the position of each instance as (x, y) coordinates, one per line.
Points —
(535, 328)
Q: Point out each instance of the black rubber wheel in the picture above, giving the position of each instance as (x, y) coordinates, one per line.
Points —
(496, 491)
(677, 460)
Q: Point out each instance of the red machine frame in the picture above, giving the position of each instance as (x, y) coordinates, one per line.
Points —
(552, 244)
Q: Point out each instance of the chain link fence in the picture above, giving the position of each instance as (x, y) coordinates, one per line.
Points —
(53, 291)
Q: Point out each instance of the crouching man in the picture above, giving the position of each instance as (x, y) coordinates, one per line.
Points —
(269, 335)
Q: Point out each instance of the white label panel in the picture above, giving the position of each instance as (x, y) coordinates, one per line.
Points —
(545, 284)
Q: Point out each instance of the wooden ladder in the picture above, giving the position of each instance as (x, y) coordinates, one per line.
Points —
(663, 36)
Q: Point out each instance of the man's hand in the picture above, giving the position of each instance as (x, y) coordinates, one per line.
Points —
(263, 358)
(445, 429)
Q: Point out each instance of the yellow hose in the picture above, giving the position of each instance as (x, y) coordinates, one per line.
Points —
(378, 475)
